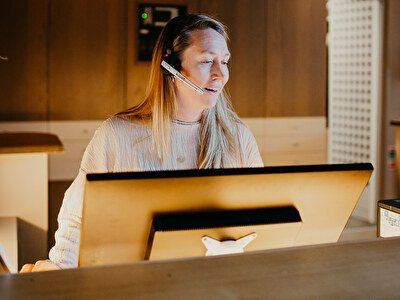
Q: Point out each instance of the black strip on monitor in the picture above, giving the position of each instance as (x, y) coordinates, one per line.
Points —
(233, 171)
(225, 218)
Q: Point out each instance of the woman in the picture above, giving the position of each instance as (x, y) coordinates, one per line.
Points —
(175, 127)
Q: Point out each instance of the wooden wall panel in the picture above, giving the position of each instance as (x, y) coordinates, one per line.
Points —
(245, 20)
(278, 65)
(392, 48)
(23, 84)
(390, 188)
(87, 59)
(75, 60)
(138, 72)
(295, 58)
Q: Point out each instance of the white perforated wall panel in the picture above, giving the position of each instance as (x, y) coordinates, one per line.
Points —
(354, 89)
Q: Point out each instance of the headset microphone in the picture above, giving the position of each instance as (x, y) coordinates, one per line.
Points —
(181, 77)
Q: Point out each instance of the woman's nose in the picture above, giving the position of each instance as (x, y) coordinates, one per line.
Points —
(218, 72)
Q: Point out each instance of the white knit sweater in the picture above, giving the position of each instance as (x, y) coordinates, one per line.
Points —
(122, 146)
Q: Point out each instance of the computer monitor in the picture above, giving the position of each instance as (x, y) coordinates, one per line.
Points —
(173, 214)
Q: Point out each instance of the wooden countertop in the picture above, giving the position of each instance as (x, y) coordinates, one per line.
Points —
(29, 142)
(356, 270)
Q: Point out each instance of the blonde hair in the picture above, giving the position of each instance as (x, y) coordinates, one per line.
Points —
(217, 141)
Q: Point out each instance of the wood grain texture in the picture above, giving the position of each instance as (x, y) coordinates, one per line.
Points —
(296, 58)
(364, 270)
(392, 44)
(138, 72)
(390, 181)
(391, 64)
(23, 48)
(278, 65)
(246, 27)
(86, 59)
(29, 142)
(74, 60)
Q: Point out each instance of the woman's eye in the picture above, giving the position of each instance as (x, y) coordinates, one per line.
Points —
(210, 61)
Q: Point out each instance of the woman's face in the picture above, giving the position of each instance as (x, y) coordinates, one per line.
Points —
(205, 62)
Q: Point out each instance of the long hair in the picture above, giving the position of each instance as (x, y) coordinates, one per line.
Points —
(159, 107)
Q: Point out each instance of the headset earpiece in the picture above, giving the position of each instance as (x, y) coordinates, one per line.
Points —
(171, 58)
(173, 30)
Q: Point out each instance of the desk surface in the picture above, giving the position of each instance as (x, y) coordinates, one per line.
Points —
(29, 142)
(369, 270)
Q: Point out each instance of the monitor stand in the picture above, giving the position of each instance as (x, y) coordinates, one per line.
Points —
(216, 232)
(216, 247)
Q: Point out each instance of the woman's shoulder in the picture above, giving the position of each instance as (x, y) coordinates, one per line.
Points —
(119, 130)
(241, 129)
(123, 124)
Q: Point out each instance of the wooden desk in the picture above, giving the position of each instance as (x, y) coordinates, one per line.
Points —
(29, 142)
(363, 270)
(24, 183)
(23, 175)
(18, 242)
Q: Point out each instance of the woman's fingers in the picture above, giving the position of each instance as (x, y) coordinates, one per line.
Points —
(39, 266)
(27, 268)
(45, 265)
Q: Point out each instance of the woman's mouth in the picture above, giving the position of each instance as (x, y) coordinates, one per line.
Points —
(211, 90)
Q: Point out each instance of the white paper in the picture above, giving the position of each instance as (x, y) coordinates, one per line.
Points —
(389, 223)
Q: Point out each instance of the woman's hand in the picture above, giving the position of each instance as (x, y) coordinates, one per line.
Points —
(39, 266)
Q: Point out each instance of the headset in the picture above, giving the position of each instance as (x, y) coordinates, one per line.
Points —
(180, 76)
(171, 64)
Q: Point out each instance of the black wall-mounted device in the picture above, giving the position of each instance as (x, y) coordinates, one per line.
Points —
(152, 19)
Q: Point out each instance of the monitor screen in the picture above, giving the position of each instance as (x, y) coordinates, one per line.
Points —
(173, 214)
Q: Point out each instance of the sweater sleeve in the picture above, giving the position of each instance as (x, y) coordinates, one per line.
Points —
(99, 157)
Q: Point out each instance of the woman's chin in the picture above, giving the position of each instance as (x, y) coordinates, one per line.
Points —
(209, 102)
